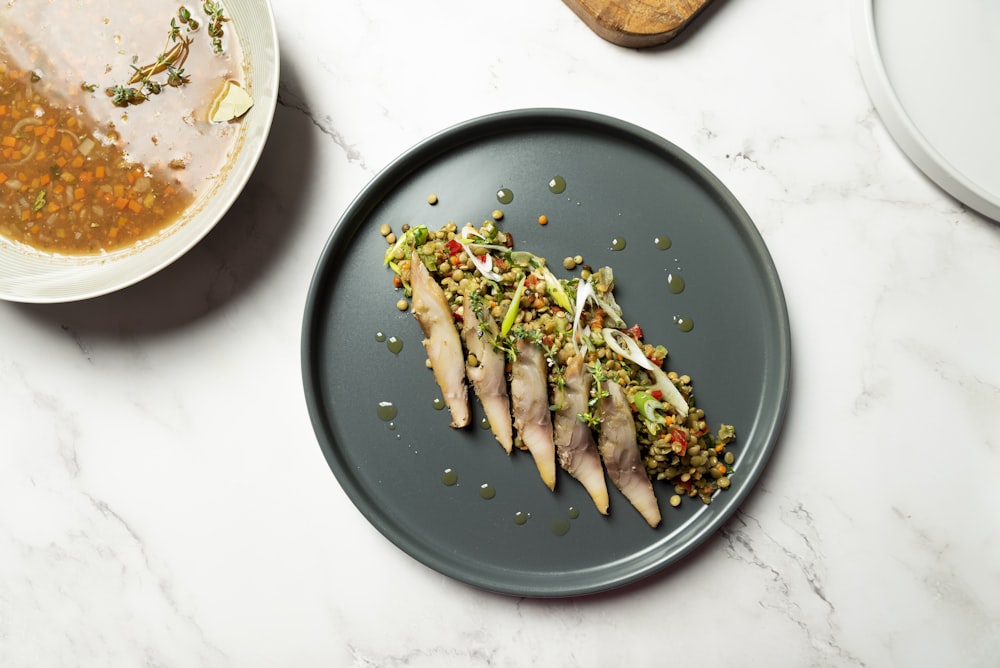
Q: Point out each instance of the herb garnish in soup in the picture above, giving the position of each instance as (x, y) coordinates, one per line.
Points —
(116, 116)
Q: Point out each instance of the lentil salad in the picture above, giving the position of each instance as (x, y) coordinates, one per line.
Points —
(515, 300)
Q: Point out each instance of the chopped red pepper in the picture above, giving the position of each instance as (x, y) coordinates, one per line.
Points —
(454, 247)
(678, 437)
(530, 280)
(510, 240)
(635, 331)
(657, 394)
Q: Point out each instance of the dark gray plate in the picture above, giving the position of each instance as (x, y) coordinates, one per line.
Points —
(623, 182)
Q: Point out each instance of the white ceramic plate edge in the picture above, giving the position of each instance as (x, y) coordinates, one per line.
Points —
(901, 126)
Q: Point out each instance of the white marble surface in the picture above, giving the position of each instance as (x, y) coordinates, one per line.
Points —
(163, 501)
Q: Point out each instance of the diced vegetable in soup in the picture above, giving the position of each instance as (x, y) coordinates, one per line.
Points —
(105, 133)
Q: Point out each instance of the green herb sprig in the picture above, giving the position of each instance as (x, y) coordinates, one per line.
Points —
(144, 82)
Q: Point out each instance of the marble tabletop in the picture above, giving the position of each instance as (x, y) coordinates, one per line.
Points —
(164, 501)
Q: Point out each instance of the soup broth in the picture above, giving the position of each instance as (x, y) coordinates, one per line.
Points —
(105, 138)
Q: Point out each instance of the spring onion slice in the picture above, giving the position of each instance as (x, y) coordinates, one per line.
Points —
(632, 352)
(515, 307)
(555, 289)
(583, 293)
(415, 236)
(482, 263)
(650, 411)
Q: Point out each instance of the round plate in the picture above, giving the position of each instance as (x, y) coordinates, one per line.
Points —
(621, 182)
(930, 69)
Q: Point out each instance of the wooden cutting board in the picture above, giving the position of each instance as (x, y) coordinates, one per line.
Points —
(637, 23)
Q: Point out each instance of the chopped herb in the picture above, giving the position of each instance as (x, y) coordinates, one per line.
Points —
(39, 201)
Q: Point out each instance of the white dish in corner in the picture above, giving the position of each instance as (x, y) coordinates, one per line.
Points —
(931, 71)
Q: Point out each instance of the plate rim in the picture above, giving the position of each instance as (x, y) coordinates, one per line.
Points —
(479, 128)
(902, 128)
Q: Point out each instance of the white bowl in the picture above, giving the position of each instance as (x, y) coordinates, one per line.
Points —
(32, 276)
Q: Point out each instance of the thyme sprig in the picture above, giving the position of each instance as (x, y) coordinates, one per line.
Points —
(216, 18)
(144, 83)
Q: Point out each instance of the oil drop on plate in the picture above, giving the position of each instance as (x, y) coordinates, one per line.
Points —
(386, 411)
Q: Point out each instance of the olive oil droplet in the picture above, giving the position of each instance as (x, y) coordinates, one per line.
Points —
(675, 283)
(438, 403)
(394, 344)
(557, 184)
(574, 512)
(505, 195)
(487, 491)
(560, 527)
(684, 324)
(386, 411)
(663, 243)
(449, 477)
(618, 243)
(380, 337)
(484, 423)
(520, 518)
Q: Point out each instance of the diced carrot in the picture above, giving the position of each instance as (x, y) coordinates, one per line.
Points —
(168, 191)
(40, 130)
(8, 141)
(41, 155)
(136, 207)
(86, 177)
(3, 109)
(25, 215)
(66, 144)
(52, 207)
(99, 172)
(77, 161)
(3, 177)
(113, 232)
(79, 193)
(61, 161)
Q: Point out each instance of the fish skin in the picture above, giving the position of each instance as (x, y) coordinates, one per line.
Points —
(620, 451)
(442, 343)
(489, 376)
(575, 447)
(529, 393)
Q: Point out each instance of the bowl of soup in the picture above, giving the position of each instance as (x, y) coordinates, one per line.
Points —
(127, 130)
